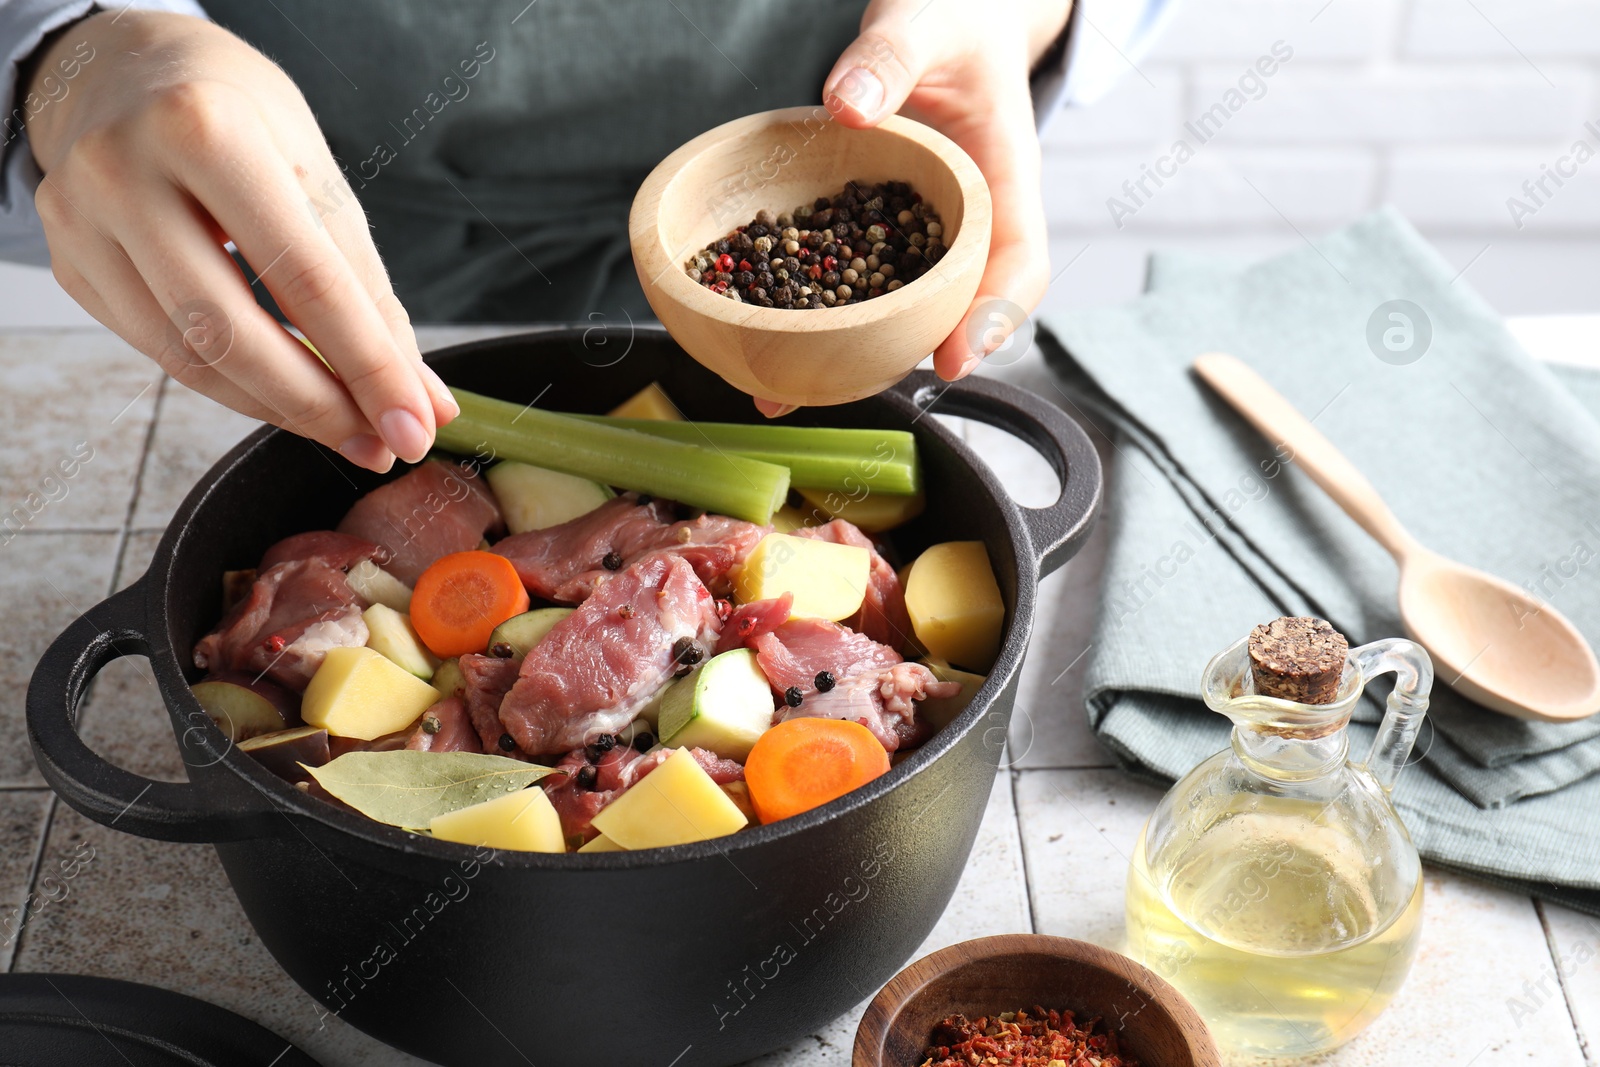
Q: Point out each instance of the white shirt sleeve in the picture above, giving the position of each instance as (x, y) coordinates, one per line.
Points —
(23, 25)
(1104, 39)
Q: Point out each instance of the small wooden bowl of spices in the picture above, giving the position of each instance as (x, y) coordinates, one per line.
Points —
(744, 236)
(1037, 999)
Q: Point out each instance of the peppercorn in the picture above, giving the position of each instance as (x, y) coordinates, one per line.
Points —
(587, 776)
(792, 696)
(683, 671)
(824, 681)
(612, 561)
(816, 244)
(597, 748)
(684, 650)
(508, 743)
(644, 740)
(431, 724)
(502, 650)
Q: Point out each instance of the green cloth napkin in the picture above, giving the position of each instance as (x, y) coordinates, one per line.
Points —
(1484, 454)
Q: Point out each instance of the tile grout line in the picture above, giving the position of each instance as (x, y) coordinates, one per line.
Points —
(138, 480)
(1022, 849)
(1561, 979)
(33, 880)
(116, 576)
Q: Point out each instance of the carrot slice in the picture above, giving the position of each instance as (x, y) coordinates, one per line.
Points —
(804, 763)
(461, 598)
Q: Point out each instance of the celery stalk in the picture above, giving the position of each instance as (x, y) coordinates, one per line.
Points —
(704, 477)
(850, 461)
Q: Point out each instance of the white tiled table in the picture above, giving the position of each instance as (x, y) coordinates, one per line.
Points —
(1051, 855)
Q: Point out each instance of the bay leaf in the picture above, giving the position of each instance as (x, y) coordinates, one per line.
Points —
(407, 789)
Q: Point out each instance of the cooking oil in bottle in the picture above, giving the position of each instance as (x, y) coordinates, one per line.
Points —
(1275, 884)
(1274, 936)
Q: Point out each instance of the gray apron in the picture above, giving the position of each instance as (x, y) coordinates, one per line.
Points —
(496, 147)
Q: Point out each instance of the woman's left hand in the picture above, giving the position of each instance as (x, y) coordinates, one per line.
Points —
(963, 69)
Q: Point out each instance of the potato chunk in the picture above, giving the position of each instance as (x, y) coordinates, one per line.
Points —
(955, 604)
(524, 821)
(828, 580)
(673, 804)
(363, 694)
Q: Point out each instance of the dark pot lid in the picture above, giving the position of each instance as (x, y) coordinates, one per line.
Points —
(72, 1020)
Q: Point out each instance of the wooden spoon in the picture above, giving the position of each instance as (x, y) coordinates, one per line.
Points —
(1489, 640)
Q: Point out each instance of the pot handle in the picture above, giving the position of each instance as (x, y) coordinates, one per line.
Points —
(167, 811)
(1057, 530)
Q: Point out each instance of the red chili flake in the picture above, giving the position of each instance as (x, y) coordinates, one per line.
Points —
(1019, 1039)
(814, 272)
(275, 643)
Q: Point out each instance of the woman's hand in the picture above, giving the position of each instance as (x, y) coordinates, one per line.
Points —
(174, 137)
(963, 68)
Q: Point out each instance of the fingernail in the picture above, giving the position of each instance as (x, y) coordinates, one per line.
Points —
(442, 391)
(772, 409)
(404, 435)
(365, 450)
(861, 90)
(969, 364)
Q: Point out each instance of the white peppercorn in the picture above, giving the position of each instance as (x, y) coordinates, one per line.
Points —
(935, 230)
(843, 292)
(849, 276)
(875, 281)
(873, 262)
(858, 265)
(905, 218)
(895, 284)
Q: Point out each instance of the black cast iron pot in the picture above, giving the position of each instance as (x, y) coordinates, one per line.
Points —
(698, 955)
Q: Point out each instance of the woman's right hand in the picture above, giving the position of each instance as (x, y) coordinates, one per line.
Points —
(174, 137)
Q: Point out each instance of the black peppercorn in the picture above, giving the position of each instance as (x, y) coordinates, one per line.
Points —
(586, 777)
(792, 696)
(645, 500)
(612, 561)
(431, 724)
(599, 747)
(502, 650)
(644, 740)
(683, 671)
(508, 743)
(824, 681)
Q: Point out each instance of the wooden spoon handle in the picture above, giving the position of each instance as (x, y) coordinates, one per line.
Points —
(1279, 422)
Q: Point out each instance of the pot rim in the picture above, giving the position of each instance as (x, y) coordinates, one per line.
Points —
(210, 746)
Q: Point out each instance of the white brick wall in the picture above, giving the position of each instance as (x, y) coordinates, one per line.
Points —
(1443, 107)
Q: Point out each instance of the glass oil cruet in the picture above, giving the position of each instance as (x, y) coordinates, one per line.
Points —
(1275, 884)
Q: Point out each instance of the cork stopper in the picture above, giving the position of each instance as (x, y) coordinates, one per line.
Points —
(1299, 659)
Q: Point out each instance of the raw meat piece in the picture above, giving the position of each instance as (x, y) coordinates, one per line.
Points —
(434, 510)
(883, 616)
(750, 621)
(796, 652)
(593, 672)
(872, 684)
(488, 679)
(335, 549)
(295, 612)
(563, 563)
(455, 733)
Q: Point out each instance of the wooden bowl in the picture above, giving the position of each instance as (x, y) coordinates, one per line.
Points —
(1153, 1022)
(777, 160)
